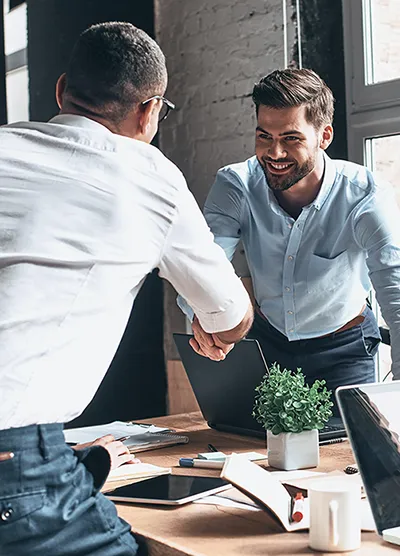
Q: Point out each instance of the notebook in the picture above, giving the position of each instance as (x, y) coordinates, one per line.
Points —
(136, 471)
(372, 418)
(225, 390)
(140, 438)
(266, 489)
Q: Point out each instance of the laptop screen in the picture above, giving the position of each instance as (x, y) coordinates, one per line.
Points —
(371, 413)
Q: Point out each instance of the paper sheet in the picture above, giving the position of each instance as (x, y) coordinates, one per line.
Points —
(136, 471)
(116, 428)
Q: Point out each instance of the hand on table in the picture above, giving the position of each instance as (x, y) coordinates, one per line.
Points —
(119, 453)
(208, 345)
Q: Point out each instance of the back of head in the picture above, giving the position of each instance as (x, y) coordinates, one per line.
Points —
(113, 67)
(296, 87)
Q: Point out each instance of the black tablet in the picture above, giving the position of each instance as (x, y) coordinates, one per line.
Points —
(172, 490)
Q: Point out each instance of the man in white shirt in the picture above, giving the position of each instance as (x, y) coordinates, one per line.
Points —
(88, 209)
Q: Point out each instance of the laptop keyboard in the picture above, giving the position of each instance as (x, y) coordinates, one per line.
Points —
(332, 430)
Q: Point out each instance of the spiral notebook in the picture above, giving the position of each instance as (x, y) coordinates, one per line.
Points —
(140, 437)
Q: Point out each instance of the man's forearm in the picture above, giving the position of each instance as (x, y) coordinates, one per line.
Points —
(239, 332)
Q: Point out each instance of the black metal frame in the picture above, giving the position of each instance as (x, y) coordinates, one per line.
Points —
(3, 97)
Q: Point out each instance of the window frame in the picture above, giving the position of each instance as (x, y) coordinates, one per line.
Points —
(363, 96)
(373, 110)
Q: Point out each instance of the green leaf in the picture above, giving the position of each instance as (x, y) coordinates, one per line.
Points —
(285, 403)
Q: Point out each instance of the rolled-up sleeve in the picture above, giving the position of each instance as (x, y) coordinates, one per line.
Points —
(199, 270)
(222, 210)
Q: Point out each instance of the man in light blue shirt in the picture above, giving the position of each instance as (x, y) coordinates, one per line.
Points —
(317, 234)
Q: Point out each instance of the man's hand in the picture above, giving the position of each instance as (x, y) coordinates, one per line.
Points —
(208, 345)
(119, 453)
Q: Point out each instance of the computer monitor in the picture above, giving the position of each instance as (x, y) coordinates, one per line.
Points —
(371, 414)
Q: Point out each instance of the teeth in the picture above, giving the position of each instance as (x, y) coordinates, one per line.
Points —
(279, 166)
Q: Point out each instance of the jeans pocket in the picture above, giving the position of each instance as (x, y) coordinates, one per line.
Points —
(16, 512)
(371, 345)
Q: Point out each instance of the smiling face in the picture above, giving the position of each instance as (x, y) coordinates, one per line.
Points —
(288, 147)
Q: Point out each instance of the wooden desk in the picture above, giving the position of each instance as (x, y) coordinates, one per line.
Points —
(207, 530)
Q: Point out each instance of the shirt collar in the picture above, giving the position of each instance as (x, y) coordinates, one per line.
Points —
(78, 121)
(327, 182)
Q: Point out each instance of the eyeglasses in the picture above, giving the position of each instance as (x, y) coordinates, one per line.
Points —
(165, 109)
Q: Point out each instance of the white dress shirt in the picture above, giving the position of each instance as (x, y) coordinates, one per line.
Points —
(85, 215)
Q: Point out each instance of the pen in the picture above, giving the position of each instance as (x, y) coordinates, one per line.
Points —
(191, 462)
(122, 438)
(298, 508)
(331, 441)
(212, 448)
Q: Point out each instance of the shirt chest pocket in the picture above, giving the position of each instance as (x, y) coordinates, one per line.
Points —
(326, 273)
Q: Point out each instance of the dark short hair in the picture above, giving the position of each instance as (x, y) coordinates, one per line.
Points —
(114, 66)
(296, 87)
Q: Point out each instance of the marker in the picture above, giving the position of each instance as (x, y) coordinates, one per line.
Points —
(298, 507)
(192, 462)
(212, 448)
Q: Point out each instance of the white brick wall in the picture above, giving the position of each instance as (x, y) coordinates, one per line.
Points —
(216, 50)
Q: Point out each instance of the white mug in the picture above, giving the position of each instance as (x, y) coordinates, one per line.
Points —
(335, 515)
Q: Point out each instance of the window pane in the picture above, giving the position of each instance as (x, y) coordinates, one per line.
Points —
(382, 40)
(383, 160)
(17, 95)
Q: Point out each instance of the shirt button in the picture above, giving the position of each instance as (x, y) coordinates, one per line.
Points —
(287, 289)
(6, 514)
(290, 312)
(291, 329)
(290, 258)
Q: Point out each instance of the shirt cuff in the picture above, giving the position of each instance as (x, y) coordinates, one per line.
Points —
(228, 318)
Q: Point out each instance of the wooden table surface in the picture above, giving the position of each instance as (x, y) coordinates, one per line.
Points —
(212, 530)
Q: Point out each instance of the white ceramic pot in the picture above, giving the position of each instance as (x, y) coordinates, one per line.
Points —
(293, 450)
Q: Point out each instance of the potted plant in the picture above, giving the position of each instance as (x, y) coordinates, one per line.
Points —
(292, 412)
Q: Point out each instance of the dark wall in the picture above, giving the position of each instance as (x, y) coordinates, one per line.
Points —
(135, 385)
(54, 26)
(323, 51)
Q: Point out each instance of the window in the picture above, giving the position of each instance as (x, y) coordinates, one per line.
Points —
(372, 43)
(382, 40)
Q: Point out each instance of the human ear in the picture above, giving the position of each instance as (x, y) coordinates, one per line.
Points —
(60, 89)
(147, 115)
(326, 137)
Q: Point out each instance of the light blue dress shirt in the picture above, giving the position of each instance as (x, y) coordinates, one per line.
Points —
(312, 275)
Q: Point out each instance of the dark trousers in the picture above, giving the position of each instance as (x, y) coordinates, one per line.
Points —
(340, 358)
(50, 504)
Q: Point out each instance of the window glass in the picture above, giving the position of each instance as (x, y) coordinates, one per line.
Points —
(382, 40)
(382, 159)
(17, 95)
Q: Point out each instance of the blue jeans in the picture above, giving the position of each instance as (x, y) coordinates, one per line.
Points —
(340, 358)
(50, 504)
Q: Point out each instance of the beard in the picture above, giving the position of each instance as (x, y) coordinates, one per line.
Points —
(297, 172)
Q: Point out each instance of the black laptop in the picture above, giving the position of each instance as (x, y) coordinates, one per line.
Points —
(372, 418)
(225, 390)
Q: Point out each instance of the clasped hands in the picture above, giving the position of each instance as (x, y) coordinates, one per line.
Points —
(208, 345)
